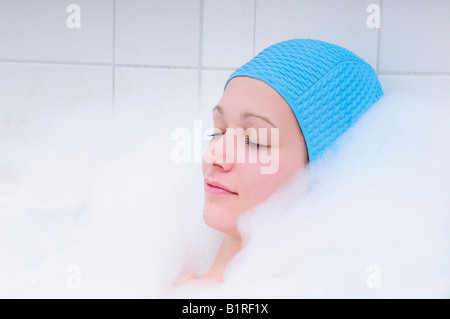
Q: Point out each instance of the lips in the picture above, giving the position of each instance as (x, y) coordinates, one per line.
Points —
(216, 188)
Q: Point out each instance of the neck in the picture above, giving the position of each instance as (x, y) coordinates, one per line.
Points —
(228, 249)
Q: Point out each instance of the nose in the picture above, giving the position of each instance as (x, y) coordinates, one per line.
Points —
(222, 151)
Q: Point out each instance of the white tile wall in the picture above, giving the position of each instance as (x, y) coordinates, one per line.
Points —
(37, 30)
(156, 32)
(228, 32)
(212, 89)
(339, 22)
(156, 92)
(437, 87)
(182, 51)
(29, 90)
(415, 36)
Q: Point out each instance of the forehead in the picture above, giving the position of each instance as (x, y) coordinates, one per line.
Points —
(244, 94)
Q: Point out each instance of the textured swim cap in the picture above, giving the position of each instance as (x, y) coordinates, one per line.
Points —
(327, 86)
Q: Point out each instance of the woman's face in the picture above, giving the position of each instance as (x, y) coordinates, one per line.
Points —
(244, 104)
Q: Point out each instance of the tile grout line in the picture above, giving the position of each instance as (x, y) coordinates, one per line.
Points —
(114, 59)
(117, 65)
(412, 73)
(254, 29)
(54, 62)
(379, 38)
(169, 67)
(200, 59)
(149, 66)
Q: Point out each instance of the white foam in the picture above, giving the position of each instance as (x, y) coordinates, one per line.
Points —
(378, 199)
(105, 196)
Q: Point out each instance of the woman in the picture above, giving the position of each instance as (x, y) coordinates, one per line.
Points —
(307, 91)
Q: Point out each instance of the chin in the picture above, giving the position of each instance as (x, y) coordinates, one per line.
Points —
(220, 221)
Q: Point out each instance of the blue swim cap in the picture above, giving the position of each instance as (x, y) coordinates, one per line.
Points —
(327, 87)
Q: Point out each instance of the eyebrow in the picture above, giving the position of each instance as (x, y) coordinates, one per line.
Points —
(246, 115)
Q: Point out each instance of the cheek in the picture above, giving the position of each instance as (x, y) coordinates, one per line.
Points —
(256, 186)
(292, 161)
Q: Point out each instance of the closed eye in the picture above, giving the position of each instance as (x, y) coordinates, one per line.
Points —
(247, 141)
(254, 145)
